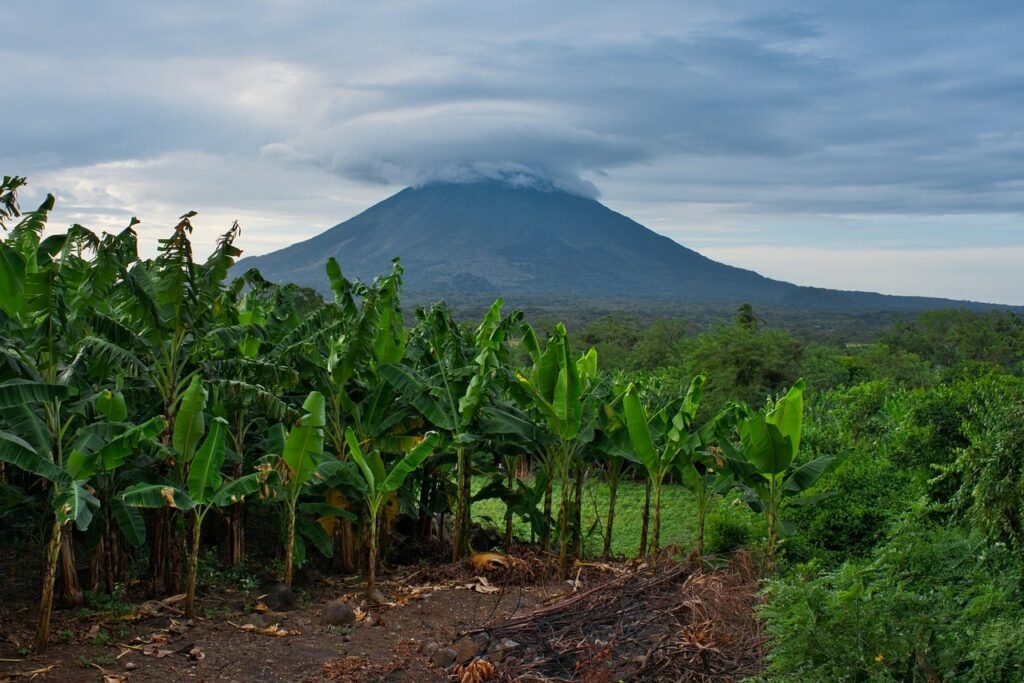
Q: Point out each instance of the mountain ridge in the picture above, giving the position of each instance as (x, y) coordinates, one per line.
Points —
(478, 240)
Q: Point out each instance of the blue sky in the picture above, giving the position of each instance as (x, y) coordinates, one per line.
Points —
(860, 145)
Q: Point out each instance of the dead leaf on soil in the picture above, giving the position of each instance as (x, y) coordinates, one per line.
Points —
(31, 674)
(477, 671)
(154, 608)
(110, 677)
(489, 562)
(481, 585)
(272, 630)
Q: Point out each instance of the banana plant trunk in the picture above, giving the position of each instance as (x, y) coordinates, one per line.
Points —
(771, 518)
(193, 567)
(49, 576)
(563, 523)
(426, 522)
(236, 529)
(645, 519)
(613, 490)
(109, 554)
(346, 539)
(70, 587)
(510, 469)
(463, 482)
(545, 533)
(179, 553)
(236, 535)
(577, 514)
(289, 546)
(656, 530)
(371, 567)
(96, 567)
(158, 551)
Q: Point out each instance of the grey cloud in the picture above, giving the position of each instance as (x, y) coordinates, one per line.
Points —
(812, 109)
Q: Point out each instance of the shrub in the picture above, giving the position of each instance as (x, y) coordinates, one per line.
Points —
(730, 528)
(870, 493)
(989, 470)
(932, 603)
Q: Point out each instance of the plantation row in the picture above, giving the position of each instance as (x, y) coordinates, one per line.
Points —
(134, 384)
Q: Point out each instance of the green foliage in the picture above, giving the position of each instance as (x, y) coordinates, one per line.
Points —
(917, 609)
(990, 468)
(951, 337)
(742, 363)
(731, 528)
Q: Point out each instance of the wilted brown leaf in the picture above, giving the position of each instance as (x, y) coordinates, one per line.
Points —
(167, 493)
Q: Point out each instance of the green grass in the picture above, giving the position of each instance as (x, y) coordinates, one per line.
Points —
(678, 516)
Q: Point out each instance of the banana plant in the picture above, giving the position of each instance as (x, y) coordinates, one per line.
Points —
(613, 448)
(659, 453)
(50, 290)
(157, 324)
(339, 348)
(246, 379)
(706, 476)
(71, 499)
(380, 483)
(304, 463)
(763, 463)
(560, 391)
(448, 381)
(200, 486)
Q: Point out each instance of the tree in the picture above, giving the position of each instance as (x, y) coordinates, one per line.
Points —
(50, 292)
(381, 483)
(449, 380)
(303, 462)
(764, 463)
(560, 391)
(158, 325)
(661, 440)
(199, 468)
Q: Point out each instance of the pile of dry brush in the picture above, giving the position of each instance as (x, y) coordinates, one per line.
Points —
(664, 621)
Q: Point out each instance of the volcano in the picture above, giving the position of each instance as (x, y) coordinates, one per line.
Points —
(474, 241)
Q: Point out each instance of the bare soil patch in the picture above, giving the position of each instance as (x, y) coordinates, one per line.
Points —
(613, 621)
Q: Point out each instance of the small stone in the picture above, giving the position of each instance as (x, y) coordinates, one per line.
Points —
(254, 619)
(346, 638)
(500, 649)
(469, 647)
(370, 620)
(375, 597)
(130, 666)
(281, 599)
(429, 648)
(339, 613)
(443, 657)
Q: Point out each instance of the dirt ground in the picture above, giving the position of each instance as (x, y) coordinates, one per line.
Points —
(628, 620)
(385, 644)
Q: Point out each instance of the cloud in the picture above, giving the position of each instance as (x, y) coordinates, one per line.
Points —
(865, 124)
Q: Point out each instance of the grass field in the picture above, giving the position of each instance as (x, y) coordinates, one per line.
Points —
(678, 516)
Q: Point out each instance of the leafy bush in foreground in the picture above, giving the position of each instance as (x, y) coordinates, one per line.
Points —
(931, 604)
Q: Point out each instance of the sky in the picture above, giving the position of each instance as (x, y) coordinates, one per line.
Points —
(857, 145)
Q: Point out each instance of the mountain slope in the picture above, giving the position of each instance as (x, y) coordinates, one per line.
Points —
(482, 239)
